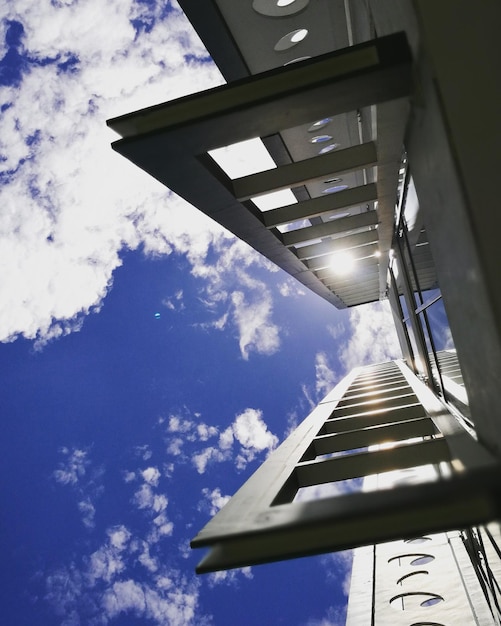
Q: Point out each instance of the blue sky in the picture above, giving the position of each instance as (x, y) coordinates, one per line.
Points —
(149, 360)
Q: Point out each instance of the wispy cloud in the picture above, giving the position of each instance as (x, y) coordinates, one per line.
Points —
(252, 319)
(75, 471)
(334, 616)
(174, 605)
(230, 577)
(213, 500)
(338, 567)
(290, 288)
(175, 302)
(373, 338)
(241, 442)
(237, 299)
(154, 504)
(124, 571)
(102, 592)
(73, 467)
(327, 490)
(325, 377)
(88, 511)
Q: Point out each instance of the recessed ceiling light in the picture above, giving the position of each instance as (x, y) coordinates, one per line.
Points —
(319, 124)
(320, 138)
(299, 35)
(329, 148)
(297, 60)
(335, 189)
(291, 39)
(279, 8)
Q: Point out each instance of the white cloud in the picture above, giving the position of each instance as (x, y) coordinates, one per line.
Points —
(233, 296)
(63, 586)
(338, 566)
(72, 468)
(151, 475)
(334, 616)
(69, 203)
(143, 452)
(175, 607)
(229, 577)
(175, 303)
(205, 432)
(162, 528)
(128, 570)
(155, 505)
(164, 597)
(209, 455)
(146, 560)
(179, 425)
(105, 564)
(88, 512)
(215, 499)
(290, 288)
(107, 584)
(328, 490)
(325, 377)
(336, 330)
(253, 320)
(72, 204)
(251, 431)
(124, 596)
(373, 338)
(146, 498)
(245, 438)
(175, 446)
(119, 537)
(226, 438)
(75, 472)
(128, 476)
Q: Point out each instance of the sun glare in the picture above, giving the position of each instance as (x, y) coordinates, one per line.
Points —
(342, 263)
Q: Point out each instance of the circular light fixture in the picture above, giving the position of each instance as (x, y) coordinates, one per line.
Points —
(432, 601)
(413, 600)
(291, 39)
(319, 124)
(329, 148)
(297, 60)
(416, 540)
(422, 559)
(320, 138)
(279, 8)
(335, 189)
(299, 35)
(377, 254)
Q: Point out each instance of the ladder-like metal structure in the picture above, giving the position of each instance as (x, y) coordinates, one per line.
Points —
(397, 461)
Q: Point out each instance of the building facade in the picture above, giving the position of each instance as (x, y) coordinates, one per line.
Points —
(423, 581)
(380, 123)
